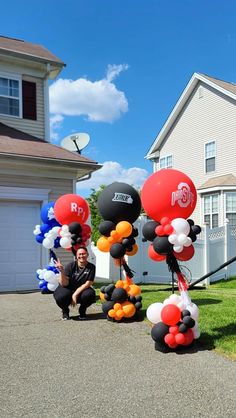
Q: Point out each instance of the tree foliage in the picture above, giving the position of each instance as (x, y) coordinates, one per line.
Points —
(96, 218)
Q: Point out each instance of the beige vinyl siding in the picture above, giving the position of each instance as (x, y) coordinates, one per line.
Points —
(209, 117)
(32, 127)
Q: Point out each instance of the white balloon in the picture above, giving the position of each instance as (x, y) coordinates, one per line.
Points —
(180, 225)
(48, 243)
(48, 276)
(196, 330)
(181, 305)
(172, 238)
(188, 242)
(182, 239)
(65, 242)
(154, 312)
(52, 287)
(175, 299)
(193, 309)
(178, 248)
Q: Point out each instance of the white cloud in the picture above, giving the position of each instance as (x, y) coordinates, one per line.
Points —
(113, 171)
(99, 101)
(55, 124)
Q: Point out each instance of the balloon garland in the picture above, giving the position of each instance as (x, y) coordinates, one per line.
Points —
(169, 197)
(119, 204)
(63, 226)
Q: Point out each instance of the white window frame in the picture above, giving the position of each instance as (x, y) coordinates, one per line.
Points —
(15, 77)
(165, 161)
(206, 158)
(225, 206)
(211, 213)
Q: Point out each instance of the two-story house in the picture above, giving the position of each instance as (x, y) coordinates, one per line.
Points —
(198, 139)
(32, 170)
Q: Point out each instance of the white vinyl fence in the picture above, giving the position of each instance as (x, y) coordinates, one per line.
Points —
(212, 248)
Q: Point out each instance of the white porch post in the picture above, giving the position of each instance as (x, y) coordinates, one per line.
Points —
(226, 244)
(206, 253)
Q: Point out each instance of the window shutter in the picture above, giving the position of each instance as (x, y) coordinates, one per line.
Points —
(29, 100)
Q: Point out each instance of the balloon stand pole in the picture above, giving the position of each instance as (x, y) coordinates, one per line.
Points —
(173, 283)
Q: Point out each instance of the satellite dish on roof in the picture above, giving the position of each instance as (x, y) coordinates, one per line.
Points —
(75, 142)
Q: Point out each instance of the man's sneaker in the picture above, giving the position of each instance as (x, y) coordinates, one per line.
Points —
(82, 315)
(65, 315)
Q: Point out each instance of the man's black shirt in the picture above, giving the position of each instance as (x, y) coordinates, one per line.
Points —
(79, 275)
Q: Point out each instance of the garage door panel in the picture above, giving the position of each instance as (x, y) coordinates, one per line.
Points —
(20, 254)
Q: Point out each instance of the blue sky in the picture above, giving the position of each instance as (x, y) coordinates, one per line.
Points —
(127, 62)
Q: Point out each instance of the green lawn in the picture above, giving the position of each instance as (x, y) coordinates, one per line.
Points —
(217, 313)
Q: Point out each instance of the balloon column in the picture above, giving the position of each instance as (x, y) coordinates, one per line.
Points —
(119, 204)
(48, 277)
(63, 226)
(169, 197)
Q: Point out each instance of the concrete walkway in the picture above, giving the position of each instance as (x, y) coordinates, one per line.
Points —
(97, 368)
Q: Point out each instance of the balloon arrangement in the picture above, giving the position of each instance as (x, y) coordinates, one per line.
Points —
(63, 226)
(48, 277)
(169, 197)
(119, 204)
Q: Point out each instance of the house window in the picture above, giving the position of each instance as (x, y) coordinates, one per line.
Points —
(210, 156)
(9, 96)
(230, 208)
(166, 162)
(211, 210)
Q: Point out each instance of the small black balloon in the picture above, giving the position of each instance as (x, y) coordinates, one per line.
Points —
(149, 230)
(162, 347)
(106, 227)
(188, 321)
(106, 306)
(159, 331)
(196, 229)
(185, 312)
(103, 289)
(119, 295)
(190, 221)
(138, 298)
(138, 305)
(117, 250)
(109, 288)
(107, 296)
(162, 245)
(134, 232)
(132, 299)
(193, 236)
(183, 328)
(75, 228)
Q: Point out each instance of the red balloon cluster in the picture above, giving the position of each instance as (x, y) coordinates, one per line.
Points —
(175, 328)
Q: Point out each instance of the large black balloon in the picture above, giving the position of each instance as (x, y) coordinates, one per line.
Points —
(119, 295)
(159, 331)
(75, 228)
(106, 227)
(149, 230)
(109, 289)
(161, 245)
(106, 306)
(119, 202)
(117, 250)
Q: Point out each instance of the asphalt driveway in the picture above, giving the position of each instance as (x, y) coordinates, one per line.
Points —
(97, 368)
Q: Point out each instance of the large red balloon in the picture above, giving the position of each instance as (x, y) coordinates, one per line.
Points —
(71, 208)
(170, 314)
(168, 192)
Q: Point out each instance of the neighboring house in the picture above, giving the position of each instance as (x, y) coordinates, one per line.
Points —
(199, 139)
(32, 170)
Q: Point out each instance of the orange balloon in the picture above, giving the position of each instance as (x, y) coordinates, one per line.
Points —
(103, 244)
(117, 306)
(102, 296)
(134, 290)
(112, 313)
(119, 283)
(114, 235)
(128, 309)
(119, 314)
(133, 251)
(124, 229)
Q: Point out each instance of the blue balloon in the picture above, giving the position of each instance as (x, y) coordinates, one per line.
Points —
(45, 228)
(41, 283)
(57, 242)
(39, 238)
(47, 212)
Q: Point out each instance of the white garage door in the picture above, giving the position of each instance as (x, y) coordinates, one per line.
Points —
(20, 254)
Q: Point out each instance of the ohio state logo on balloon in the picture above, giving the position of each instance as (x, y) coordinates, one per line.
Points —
(183, 196)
